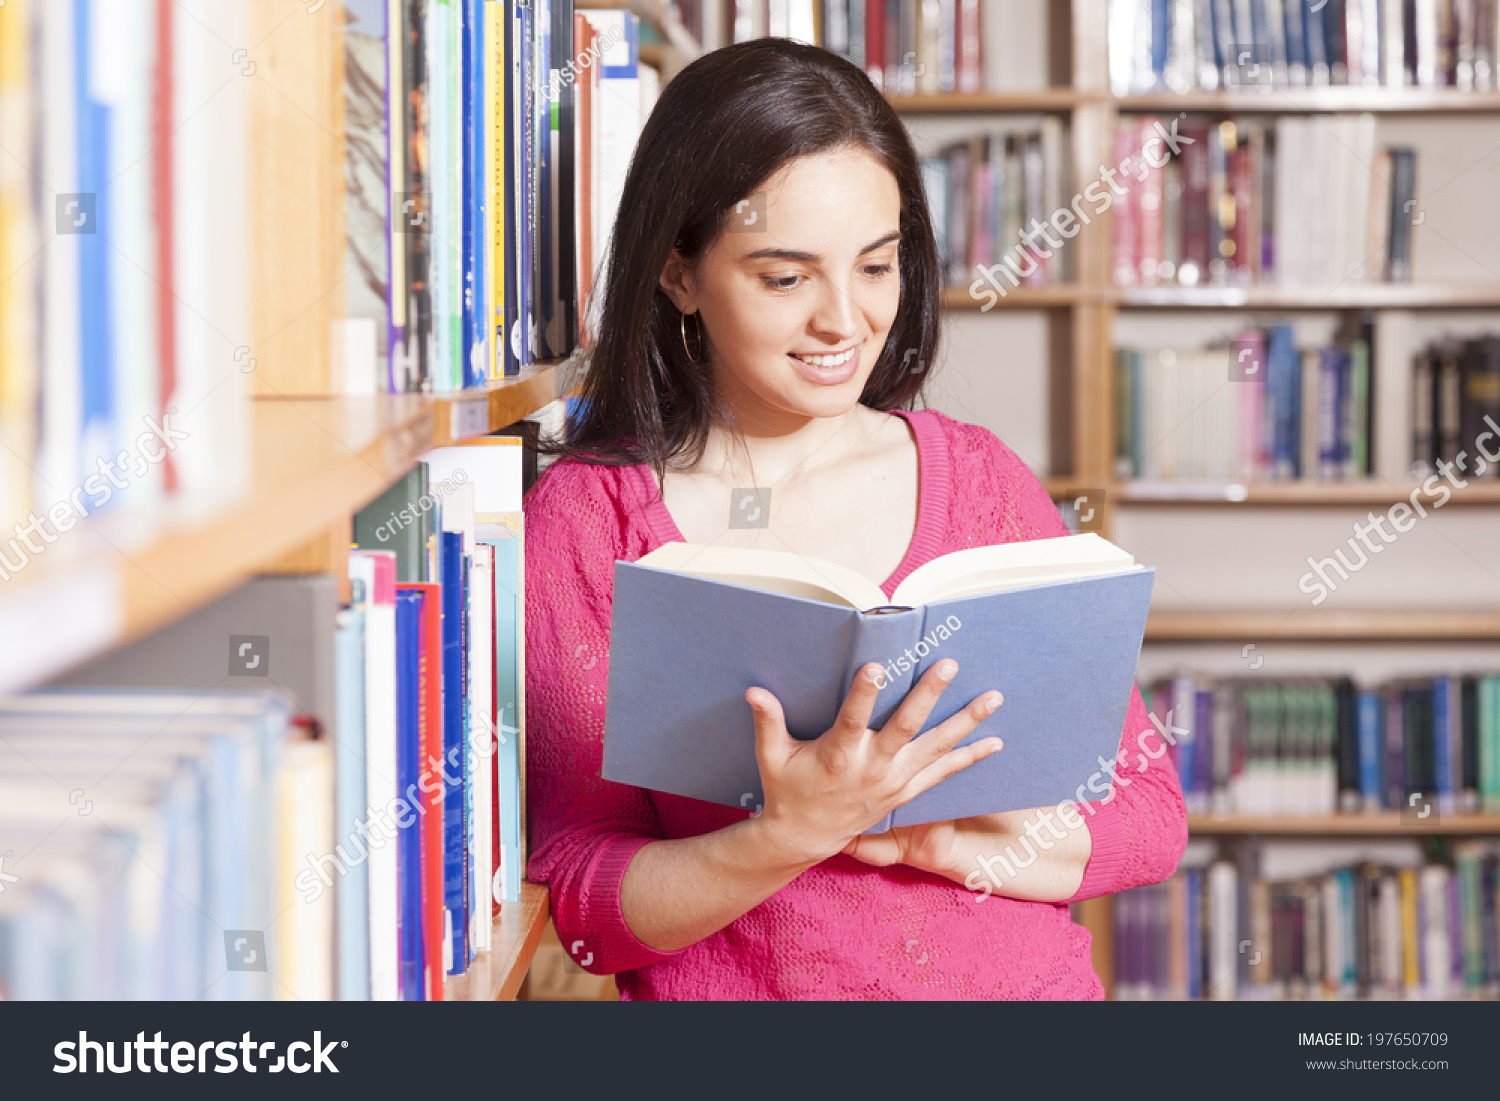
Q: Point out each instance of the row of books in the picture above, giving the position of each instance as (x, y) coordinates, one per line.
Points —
(1318, 747)
(532, 110)
(125, 302)
(440, 551)
(137, 828)
(1456, 406)
(988, 196)
(351, 831)
(1385, 925)
(1180, 45)
(1302, 201)
(1259, 410)
(908, 47)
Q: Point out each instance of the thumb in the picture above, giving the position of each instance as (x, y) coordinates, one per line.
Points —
(771, 735)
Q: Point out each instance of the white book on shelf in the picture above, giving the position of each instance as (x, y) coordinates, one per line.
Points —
(1223, 933)
(299, 949)
(57, 460)
(1437, 951)
(618, 110)
(482, 744)
(381, 784)
(212, 255)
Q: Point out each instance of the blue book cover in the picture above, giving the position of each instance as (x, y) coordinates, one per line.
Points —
(1442, 757)
(408, 773)
(350, 804)
(1296, 42)
(507, 705)
(1194, 933)
(546, 183)
(526, 186)
(511, 170)
(1368, 717)
(1185, 715)
(475, 312)
(1332, 370)
(684, 649)
(1161, 29)
(1315, 34)
(96, 347)
(1283, 386)
(455, 857)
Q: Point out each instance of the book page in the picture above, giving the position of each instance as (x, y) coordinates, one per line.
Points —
(770, 571)
(980, 570)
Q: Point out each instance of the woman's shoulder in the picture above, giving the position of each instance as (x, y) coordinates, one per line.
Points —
(572, 494)
(968, 447)
(989, 484)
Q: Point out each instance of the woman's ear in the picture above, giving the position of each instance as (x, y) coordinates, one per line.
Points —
(678, 283)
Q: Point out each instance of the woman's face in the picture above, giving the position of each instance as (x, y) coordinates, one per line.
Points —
(797, 296)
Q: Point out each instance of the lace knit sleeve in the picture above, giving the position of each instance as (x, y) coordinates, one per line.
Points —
(583, 829)
(1139, 833)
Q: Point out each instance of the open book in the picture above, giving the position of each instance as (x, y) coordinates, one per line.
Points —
(1054, 624)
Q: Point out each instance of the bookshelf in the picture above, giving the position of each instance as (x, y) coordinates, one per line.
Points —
(497, 975)
(1082, 317)
(314, 463)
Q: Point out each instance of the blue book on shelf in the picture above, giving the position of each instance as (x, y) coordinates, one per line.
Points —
(1194, 944)
(1315, 35)
(1062, 651)
(455, 856)
(545, 172)
(97, 337)
(474, 370)
(1161, 29)
(350, 803)
(1368, 719)
(1442, 756)
(526, 184)
(408, 773)
(1284, 389)
(507, 704)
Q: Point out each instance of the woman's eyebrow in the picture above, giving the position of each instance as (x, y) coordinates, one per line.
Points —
(809, 257)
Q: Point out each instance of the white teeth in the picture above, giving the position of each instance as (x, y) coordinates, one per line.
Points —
(827, 361)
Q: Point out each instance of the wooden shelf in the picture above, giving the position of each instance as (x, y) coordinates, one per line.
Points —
(1343, 296)
(1351, 494)
(1414, 101)
(496, 975)
(1344, 825)
(989, 103)
(1321, 623)
(314, 462)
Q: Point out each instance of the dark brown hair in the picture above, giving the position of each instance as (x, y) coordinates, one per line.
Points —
(724, 126)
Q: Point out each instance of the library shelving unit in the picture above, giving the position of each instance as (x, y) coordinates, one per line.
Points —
(314, 462)
(1081, 316)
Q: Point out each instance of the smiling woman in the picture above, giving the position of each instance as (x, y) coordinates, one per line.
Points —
(771, 277)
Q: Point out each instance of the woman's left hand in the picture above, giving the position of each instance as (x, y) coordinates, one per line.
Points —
(1051, 869)
(937, 847)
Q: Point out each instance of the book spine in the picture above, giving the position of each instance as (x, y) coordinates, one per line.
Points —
(455, 860)
(1403, 192)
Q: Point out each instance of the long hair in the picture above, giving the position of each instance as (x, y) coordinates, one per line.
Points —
(724, 126)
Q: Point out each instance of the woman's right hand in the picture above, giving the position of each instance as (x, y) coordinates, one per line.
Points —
(819, 794)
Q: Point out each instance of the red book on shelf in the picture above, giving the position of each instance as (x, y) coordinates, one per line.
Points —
(1127, 225)
(1246, 235)
(969, 47)
(1146, 181)
(1195, 213)
(875, 41)
(431, 666)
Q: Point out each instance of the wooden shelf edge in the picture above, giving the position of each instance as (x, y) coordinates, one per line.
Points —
(1360, 825)
(1317, 623)
(1333, 97)
(1341, 296)
(496, 975)
(978, 103)
(1353, 494)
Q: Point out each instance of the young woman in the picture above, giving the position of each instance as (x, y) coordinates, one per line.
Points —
(770, 312)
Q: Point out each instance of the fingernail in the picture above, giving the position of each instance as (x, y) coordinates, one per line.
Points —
(947, 669)
(993, 703)
(996, 748)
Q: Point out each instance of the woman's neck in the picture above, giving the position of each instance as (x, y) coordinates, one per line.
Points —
(777, 449)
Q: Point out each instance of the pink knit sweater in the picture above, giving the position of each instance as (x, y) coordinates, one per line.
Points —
(842, 929)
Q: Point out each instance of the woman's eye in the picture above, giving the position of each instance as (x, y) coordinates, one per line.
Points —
(780, 282)
(878, 269)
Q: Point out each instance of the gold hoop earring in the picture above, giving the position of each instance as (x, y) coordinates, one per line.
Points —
(682, 324)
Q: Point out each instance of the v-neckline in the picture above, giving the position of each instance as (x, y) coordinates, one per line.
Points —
(932, 499)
